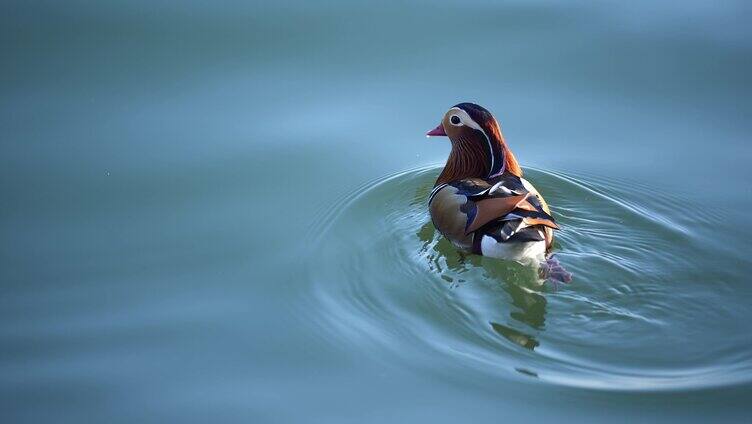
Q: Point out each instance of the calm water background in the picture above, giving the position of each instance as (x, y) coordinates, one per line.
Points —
(215, 211)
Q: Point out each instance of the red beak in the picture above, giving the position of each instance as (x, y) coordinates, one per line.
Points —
(436, 131)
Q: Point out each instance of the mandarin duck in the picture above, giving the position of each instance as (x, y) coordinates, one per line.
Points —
(481, 203)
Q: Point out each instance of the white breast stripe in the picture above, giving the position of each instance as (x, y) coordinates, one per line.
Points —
(434, 191)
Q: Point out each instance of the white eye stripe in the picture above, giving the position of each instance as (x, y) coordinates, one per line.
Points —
(466, 119)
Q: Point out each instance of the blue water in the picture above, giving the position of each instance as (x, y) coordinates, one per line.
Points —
(216, 211)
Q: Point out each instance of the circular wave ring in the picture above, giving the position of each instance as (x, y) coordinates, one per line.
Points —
(382, 277)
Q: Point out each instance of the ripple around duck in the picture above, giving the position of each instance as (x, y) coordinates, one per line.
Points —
(636, 316)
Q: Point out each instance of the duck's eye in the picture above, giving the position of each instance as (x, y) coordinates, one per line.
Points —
(455, 120)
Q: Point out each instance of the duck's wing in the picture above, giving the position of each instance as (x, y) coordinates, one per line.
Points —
(506, 198)
(460, 208)
(486, 210)
(533, 222)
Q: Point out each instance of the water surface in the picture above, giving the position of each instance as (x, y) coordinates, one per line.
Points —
(217, 211)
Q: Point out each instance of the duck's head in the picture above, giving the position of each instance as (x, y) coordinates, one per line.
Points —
(478, 147)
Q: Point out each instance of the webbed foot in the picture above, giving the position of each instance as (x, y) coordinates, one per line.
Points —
(551, 270)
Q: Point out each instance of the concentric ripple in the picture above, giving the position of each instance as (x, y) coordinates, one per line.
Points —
(650, 308)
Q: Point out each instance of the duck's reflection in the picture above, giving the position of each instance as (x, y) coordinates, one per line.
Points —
(442, 256)
(520, 282)
(525, 340)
